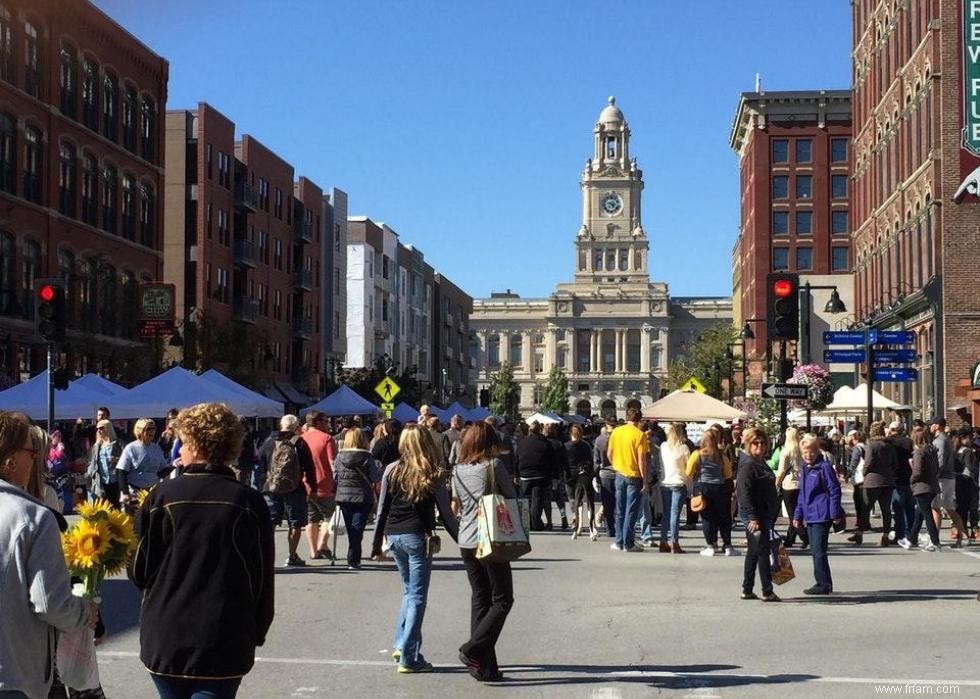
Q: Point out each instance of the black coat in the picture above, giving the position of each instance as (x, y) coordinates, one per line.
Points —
(535, 457)
(756, 488)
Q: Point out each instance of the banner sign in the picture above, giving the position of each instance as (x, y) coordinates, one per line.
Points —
(157, 307)
(970, 101)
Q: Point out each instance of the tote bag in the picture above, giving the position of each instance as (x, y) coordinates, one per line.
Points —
(502, 525)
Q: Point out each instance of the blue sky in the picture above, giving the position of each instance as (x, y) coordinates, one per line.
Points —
(465, 125)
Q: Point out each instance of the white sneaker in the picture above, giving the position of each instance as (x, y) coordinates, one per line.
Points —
(924, 540)
(708, 551)
(904, 543)
(891, 535)
(615, 547)
(931, 547)
(730, 551)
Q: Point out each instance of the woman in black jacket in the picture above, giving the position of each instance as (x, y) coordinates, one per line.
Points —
(355, 471)
(205, 564)
(756, 488)
(925, 486)
(581, 472)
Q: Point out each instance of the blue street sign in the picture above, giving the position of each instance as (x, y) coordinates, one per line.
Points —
(894, 373)
(854, 356)
(892, 337)
(895, 356)
(843, 337)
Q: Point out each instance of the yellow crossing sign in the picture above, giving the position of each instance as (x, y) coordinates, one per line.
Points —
(387, 389)
(692, 384)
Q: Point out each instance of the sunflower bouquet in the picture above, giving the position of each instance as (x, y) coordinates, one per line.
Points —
(98, 545)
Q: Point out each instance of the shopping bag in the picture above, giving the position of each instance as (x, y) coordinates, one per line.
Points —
(782, 567)
(77, 665)
(501, 535)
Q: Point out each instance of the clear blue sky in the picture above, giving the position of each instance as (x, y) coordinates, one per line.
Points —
(465, 125)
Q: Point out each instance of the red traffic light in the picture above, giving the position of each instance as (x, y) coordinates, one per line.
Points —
(46, 293)
(782, 288)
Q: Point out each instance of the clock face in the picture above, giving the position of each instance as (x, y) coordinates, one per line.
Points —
(611, 204)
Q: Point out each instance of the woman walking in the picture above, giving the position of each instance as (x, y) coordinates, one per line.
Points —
(674, 455)
(478, 473)
(787, 482)
(925, 490)
(141, 462)
(817, 506)
(756, 488)
(581, 474)
(355, 472)
(710, 470)
(411, 490)
(102, 463)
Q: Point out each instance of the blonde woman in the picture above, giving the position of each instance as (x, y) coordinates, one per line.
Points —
(102, 463)
(355, 472)
(674, 455)
(788, 484)
(411, 490)
(710, 470)
(140, 462)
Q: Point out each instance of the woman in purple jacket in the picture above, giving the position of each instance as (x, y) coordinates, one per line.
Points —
(817, 507)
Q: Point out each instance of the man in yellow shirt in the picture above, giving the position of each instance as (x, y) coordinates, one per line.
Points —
(628, 451)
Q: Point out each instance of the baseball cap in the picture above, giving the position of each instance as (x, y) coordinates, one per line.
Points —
(940, 421)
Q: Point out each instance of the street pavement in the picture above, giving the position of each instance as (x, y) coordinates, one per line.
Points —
(591, 622)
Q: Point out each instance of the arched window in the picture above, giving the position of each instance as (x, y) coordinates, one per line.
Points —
(32, 61)
(608, 409)
(6, 46)
(8, 150)
(516, 349)
(66, 271)
(110, 106)
(129, 119)
(108, 315)
(33, 163)
(86, 295)
(493, 351)
(30, 267)
(128, 207)
(583, 408)
(67, 176)
(8, 298)
(110, 185)
(597, 262)
(90, 94)
(90, 179)
(624, 259)
(147, 216)
(69, 79)
(148, 129)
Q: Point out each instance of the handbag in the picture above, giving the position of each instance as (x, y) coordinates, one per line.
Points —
(433, 544)
(697, 503)
(782, 566)
(501, 530)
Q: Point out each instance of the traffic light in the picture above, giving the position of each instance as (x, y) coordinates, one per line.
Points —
(60, 379)
(783, 306)
(49, 309)
(484, 398)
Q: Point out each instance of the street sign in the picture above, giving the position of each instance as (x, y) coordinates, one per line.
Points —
(892, 337)
(843, 337)
(854, 356)
(387, 408)
(785, 391)
(894, 373)
(692, 384)
(895, 356)
(387, 389)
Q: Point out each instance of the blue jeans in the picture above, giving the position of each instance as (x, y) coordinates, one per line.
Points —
(355, 520)
(670, 519)
(646, 518)
(415, 569)
(903, 508)
(627, 509)
(195, 688)
(819, 534)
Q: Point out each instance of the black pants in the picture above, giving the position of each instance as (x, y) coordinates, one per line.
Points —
(862, 512)
(790, 498)
(716, 517)
(492, 589)
(582, 492)
(607, 490)
(883, 497)
(923, 512)
(966, 500)
(757, 555)
(538, 490)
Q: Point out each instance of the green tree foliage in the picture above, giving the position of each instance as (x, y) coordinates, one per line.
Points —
(362, 381)
(505, 394)
(704, 358)
(555, 398)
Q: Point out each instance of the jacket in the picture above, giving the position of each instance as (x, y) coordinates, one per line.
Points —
(535, 457)
(756, 488)
(600, 456)
(819, 494)
(903, 459)
(204, 561)
(578, 456)
(356, 472)
(35, 593)
(880, 464)
(925, 471)
(385, 450)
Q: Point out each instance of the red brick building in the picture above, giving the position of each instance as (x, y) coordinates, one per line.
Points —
(81, 175)
(793, 164)
(915, 219)
(242, 245)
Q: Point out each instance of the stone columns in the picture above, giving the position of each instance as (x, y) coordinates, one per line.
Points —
(481, 350)
(617, 348)
(504, 346)
(593, 363)
(527, 353)
(550, 349)
(645, 349)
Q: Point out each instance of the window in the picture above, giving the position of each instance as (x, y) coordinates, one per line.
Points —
(780, 223)
(839, 261)
(224, 170)
(838, 186)
(8, 150)
(804, 223)
(90, 95)
(66, 271)
(66, 180)
(147, 216)
(803, 150)
(264, 194)
(109, 186)
(277, 304)
(29, 268)
(277, 253)
(69, 67)
(780, 150)
(107, 300)
(838, 222)
(804, 259)
(6, 46)
(264, 247)
(8, 296)
(128, 208)
(278, 206)
(129, 119)
(148, 130)
(208, 169)
(110, 106)
(208, 220)
(224, 235)
(804, 187)
(33, 160)
(780, 258)
(838, 150)
(780, 186)
(32, 61)
(516, 350)
(89, 190)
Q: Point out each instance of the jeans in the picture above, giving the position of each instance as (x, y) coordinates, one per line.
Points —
(627, 509)
(195, 688)
(790, 498)
(758, 555)
(819, 535)
(538, 491)
(492, 588)
(923, 511)
(607, 490)
(716, 517)
(903, 509)
(355, 519)
(670, 520)
(883, 497)
(646, 517)
(415, 569)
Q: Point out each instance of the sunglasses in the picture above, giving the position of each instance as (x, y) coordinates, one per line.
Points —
(758, 441)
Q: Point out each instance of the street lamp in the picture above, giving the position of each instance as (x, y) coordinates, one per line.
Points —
(834, 305)
(730, 358)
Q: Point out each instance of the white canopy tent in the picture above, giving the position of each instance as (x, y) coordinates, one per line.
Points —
(855, 401)
(31, 398)
(265, 407)
(691, 406)
(176, 388)
(544, 418)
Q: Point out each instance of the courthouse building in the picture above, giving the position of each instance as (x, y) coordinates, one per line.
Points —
(610, 329)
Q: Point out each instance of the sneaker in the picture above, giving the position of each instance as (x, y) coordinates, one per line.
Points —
(635, 548)
(923, 540)
(771, 597)
(295, 561)
(615, 547)
(730, 551)
(905, 543)
(354, 567)
(930, 547)
(472, 666)
(749, 595)
(708, 551)
(891, 535)
(424, 666)
(396, 655)
(816, 590)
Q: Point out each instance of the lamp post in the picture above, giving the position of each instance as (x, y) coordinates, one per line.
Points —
(746, 334)
(834, 305)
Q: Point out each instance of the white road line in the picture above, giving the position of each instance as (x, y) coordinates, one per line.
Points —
(967, 553)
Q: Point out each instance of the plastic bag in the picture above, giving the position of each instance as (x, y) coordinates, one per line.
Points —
(76, 661)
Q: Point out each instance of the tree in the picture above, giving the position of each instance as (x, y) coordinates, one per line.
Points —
(707, 358)
(362, 381)
(505, 394)
(555, 398)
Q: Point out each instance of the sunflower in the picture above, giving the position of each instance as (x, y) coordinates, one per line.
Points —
(141, 496)
(85, 544)
(95, 510)
(120, 526)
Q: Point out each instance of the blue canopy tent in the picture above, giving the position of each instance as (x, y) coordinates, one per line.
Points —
(455, 409)
(176, 388)
(403, 412)
(31, 398)
(99, 384)
(478, 413)
(265, 407)
(343, 401)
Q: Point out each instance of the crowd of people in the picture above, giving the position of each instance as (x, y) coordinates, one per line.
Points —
(208, 490)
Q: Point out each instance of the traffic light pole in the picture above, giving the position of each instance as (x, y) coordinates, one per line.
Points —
(50, 387)
(783, 417)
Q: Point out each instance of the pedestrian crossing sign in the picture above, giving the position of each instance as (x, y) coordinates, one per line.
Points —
(692, 384)
(387, 389)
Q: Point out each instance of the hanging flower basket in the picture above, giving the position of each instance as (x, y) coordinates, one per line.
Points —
(817, 379)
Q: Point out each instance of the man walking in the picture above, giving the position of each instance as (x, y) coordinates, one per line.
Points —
(289, 461)
(320, 503)
(607, 478)
(628, 452)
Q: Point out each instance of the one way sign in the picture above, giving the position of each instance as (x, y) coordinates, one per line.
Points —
(785, 391)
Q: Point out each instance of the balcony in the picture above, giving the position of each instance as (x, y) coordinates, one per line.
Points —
(246, 197)
(245, 254)
(380, 334)
(303, 280)
(246, 309)
(303, 230)
(302, 327)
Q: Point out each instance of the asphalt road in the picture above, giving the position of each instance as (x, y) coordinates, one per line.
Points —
(590, 622)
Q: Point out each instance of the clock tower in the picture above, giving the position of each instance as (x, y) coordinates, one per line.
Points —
(611, 247)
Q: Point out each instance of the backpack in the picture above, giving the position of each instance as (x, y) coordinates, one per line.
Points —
(284, 472)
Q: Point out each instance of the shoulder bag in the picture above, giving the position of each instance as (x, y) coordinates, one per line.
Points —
(501, 533)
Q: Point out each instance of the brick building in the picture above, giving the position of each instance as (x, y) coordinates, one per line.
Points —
(81, 171)
(242, 245)
(793, 165)
(915, 211)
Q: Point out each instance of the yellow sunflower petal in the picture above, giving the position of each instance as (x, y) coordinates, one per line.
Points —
(91, 539)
